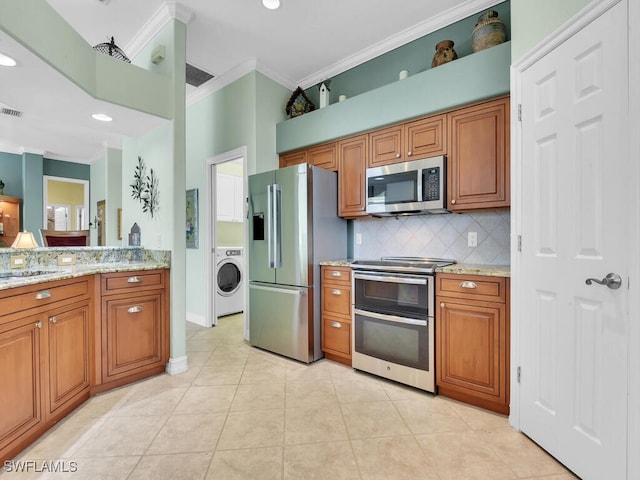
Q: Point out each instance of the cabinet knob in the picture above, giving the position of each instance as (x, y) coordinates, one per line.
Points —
(409, 153)
(336, 292)
(442, 305)
(336, 324)
(41, 295)
(39, 324)
(134, 279)
(336, 273)
(397, 155)
(53, 319)
(135, 309)
(453, 202)
(468, 284)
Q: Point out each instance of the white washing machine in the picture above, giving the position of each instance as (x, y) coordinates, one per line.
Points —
(229, 280)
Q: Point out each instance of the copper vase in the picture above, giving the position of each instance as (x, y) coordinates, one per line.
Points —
(444, 53)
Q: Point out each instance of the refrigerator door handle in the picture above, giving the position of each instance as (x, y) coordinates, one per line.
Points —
(277, 226)
(270, 225)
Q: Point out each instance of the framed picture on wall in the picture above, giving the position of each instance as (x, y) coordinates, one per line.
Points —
(192, 218)
(102, 238)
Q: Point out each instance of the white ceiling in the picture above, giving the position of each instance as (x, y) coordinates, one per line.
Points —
(301, 43)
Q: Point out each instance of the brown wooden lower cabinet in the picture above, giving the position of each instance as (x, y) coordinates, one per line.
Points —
(60, 342)
(336, 313)
(472, 340)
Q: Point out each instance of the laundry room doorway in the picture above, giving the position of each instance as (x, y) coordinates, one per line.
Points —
(226, 264)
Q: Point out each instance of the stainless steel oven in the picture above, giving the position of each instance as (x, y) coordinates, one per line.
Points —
(393, 319)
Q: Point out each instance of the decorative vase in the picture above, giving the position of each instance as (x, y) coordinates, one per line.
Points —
(488, 32)
(444, 53)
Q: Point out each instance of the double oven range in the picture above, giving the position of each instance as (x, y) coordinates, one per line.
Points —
(393, 318)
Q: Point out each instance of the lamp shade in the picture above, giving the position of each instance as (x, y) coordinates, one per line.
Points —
(24, 240)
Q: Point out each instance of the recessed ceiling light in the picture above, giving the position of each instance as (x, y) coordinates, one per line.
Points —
(271, 4)
(6, 61)
(102, 117)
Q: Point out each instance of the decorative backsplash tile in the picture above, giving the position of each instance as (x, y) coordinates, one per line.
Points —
(442, 236)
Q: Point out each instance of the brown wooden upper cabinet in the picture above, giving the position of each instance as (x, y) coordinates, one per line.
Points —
(323, 156)
(478, 156)
(293, 158)
(408, 141)
(352, 163)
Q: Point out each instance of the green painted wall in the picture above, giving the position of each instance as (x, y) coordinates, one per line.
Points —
(243, 113)
(475, 77)
(59, 168)
(32, 204)
(414, 56)
(533, 21)
(97, 192)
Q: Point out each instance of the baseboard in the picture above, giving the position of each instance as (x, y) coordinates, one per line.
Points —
(197, 319)
(177, 365)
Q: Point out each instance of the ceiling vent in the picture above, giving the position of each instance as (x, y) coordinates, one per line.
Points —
(10, 111)
(197, 77)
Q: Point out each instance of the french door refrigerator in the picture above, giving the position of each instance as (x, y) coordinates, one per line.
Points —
(293, 225)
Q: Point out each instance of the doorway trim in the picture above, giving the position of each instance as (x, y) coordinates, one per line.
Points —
(210, 257)
(45, 192)
(565, 31)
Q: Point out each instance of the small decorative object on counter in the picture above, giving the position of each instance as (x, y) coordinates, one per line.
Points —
(134, 236)
(324, 94)
(444, 53)
(403, 74)
(1, 187)
(342, 98)
(298, 104)
(488, 32)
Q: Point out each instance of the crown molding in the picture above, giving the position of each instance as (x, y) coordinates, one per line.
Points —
(421, 29)
(167, 12)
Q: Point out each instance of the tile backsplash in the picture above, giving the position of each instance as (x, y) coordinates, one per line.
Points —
(442, 236)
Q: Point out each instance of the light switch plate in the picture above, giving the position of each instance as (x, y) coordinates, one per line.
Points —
(18, 261)
(66, 259)
(472, 239)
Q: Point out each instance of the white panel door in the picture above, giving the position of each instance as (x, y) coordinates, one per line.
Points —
(573, 337)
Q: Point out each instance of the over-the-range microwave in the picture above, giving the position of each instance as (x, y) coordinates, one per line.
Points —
(406, 188)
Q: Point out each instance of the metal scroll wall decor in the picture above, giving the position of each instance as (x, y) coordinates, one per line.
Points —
(145, 188)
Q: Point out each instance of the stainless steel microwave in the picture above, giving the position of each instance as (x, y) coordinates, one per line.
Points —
(407, 188)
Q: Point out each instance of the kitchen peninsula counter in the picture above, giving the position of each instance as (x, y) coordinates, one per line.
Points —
(89, 261)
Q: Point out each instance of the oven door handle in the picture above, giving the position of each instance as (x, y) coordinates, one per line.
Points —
(391, 278)
(391, 318)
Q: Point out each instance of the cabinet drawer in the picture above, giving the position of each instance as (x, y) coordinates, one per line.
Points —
(125, 281)
(336, 335)
(42, 294)
(477, 287)
(341, 275)
(336, 300)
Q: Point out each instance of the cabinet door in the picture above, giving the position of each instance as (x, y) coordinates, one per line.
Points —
(387, 146)
(293, 158)
(225, 198)
(336, 336)
(132, 334)
(68, 355)
(324, 156)
(20, 371)
(478, 156)
(352, 157)
(471, 352)
(426, 137)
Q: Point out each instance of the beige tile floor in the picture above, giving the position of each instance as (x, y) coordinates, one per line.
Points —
(241, 413)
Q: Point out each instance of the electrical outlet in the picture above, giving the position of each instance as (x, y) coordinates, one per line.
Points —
(66, 259)
(472, 239)
(358, 239)
(18, 261)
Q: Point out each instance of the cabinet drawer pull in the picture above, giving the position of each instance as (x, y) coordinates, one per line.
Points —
(134, 279)
(336, 324)
(39, 324)
(397, 155)
(135, 309)
(41, 295)
(468, 284)
(335, 273)
(53, 319)
(442, 305)
(336, 292)
(409, 153)
(453, 202)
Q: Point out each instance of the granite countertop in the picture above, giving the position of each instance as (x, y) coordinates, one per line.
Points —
(458, 268)
(61, 273)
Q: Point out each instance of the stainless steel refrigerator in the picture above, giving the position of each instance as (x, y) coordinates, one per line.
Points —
(293, 225)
